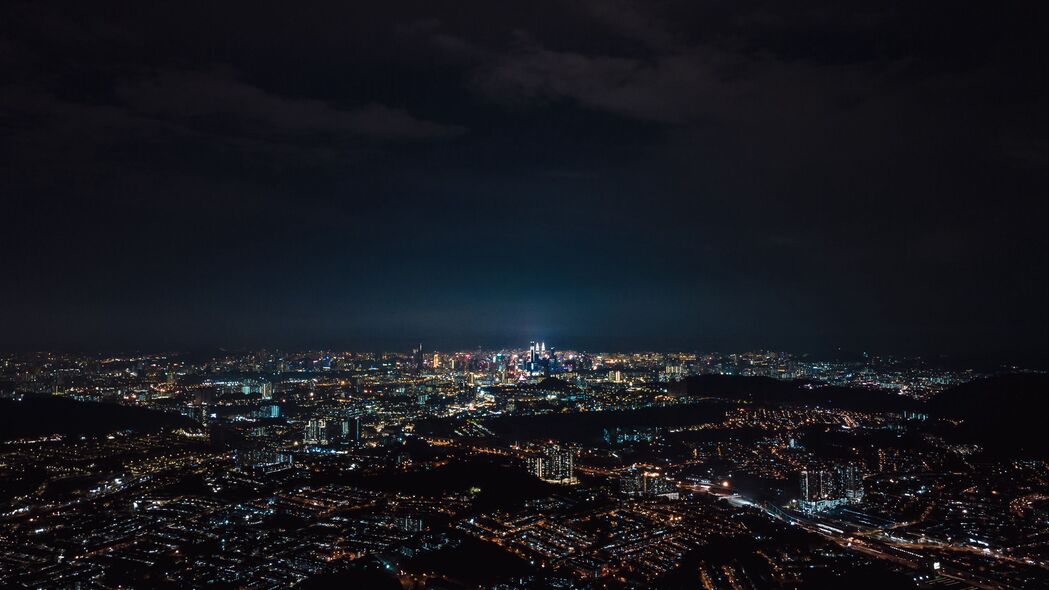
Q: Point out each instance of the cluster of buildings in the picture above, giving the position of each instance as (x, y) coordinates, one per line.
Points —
(324, 431)
(647, 481)
(823, 489)
(554, 465)
(266, 469)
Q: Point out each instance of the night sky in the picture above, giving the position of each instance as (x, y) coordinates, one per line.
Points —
(603, 175)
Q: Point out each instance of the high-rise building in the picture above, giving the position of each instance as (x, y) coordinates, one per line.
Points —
(555, 465)
(618, 435)
(264, 388)
(561, 464)
(262, 461)
(824, 489)
(851, 478)
(269, 411)
(350, 429)
(810, 485)
(649, 482)
(672, 373)
(534, 465)
(316, 432)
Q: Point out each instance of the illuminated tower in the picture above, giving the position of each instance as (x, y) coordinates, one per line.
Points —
(350, 429)
(417, 356)
(815, 485)
(316, 432)
(851, 483)
(555, 465)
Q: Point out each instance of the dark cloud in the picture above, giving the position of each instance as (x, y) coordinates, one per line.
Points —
(210, 98)
(632, 22)
(608, 174)
(688, 85)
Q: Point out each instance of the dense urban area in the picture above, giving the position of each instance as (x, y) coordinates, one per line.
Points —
(515, 469)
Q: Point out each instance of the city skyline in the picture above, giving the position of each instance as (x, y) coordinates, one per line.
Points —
(524, 469)
(984, 363)
(540, 295)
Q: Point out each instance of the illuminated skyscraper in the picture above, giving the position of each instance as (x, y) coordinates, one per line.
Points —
(638, 481)
(813, 484)
(316, 432)
(417, 356)
(555, 465)
(269, 411)
(350, 429)
(851, 478)
(823, 489)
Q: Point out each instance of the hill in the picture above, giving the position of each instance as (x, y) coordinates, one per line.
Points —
(1007, 414)
(766, 390)
(42, 416)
